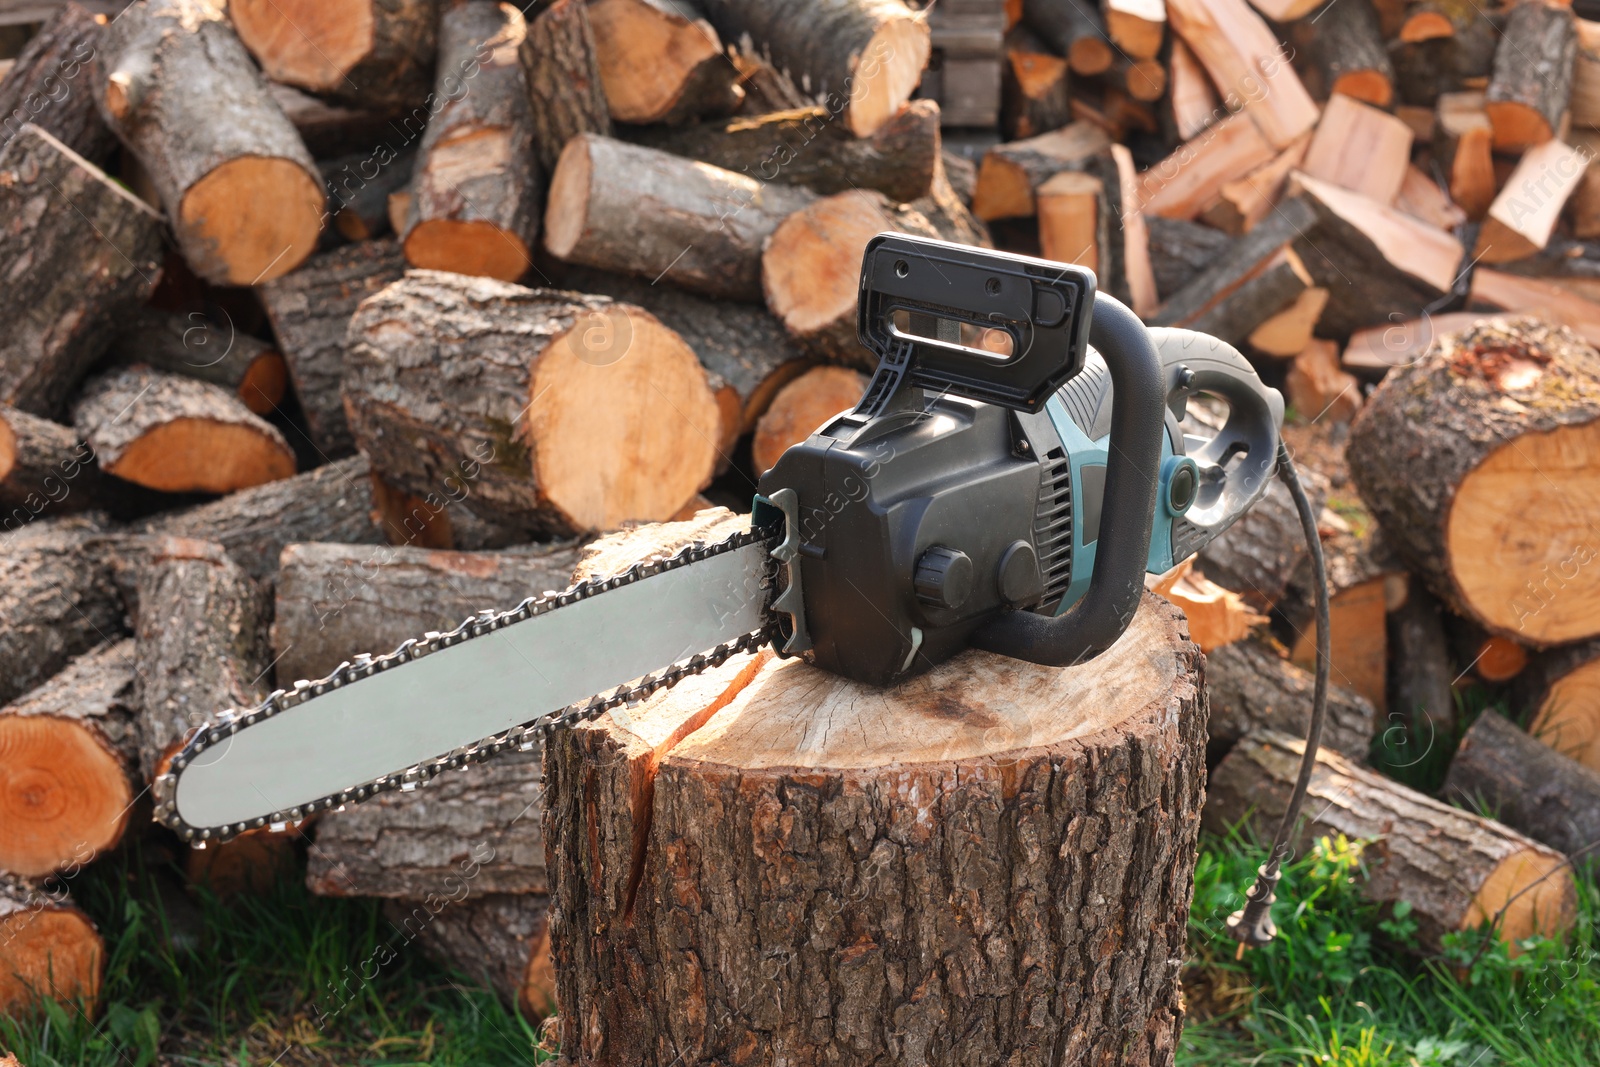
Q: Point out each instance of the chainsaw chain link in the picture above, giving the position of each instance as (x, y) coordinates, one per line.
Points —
(524, 737)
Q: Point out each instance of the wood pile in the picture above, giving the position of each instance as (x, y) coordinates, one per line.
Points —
(330, 325)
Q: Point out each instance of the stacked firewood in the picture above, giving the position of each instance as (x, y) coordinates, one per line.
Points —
(322, 334)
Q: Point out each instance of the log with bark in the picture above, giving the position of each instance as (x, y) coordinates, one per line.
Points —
(1035, 96)
(310, 311)
(53, 950)
(62, 218)
(239, 188)
(661, 62)
(1475, 461)
(564, 80)
(1456, 870)
(1463, 147)
(1011, 172)
(177, 434)
(1364, 584)
(68, 753)
(643, 811)
(801, 407)
(1251, 686)
(57, 599)
(200, 644)
(1255, 277)
(1360, 148)
(360, 185)
(1075, 31)
(1346, 54)
(372, 53)
(334, 602)
(44, 467)
(1248, 64)
(814, 148)
(636, 210)
(433, 521)
(1556, 691)
(476, 190)
(1528, 93)
(1523, 216)
(1259, 554)
(549, 411)
(1550, 299)
(1179, 250)
(1421, 670)
(860, 58)
(198, 347)
(502, 939)
(1585, 100)
(1528, 786)
(48, 85)
(1374, 350)
(1138, 27)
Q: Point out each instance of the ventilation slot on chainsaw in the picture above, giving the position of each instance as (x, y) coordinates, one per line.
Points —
(1052, 529)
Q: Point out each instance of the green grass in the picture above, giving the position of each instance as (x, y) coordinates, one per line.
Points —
(277, 978)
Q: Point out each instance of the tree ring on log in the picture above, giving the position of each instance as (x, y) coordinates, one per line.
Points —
(1568, 719)
(261, 214)
(467, 246)
(50, 948)
(309, 43)
(887, 71)
(62, 793)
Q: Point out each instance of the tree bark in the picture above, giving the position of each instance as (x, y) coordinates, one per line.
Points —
(201, 645)
(1258, 555)
(1420, 667)
(1075, 31)
(49, 86)
(1180, 250)
(548, 411)
(1472, 459)
(1246, 259)
(634, 210)
(503, 937)
(1529, 786)
(52, 950)
(239, 188)
(70, 751)
(564, 80)
(1455, 869)
(310, 311)
(178, 434)
(331, 503)
(57, 600)
(372, 53)
(801, 407)
(661, 62)
(1347, 53)
(1557, 692)
(476, 189)
(690, 809)
(1011, 172)
(44, 467)
(359, 187)
(1251, 686)
(196, 347)
(337, 601)
(860, 58)
(431, 521)
(1035, 90)
(1532, 81)
(61, 217)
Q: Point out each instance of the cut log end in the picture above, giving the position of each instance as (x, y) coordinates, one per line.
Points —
(1528, 893)
(653, 61)
(265, 382)
(258, 217)
(1426, 26)
(1568, 720)
(64, 796)
(52, 951)
(1517, 126)
(309, 43)
(195, 455)
(809, 284)
(890, 69)
(469, 246)
(801, 407)
(1369, 86)
(568, 205)
(1090, 56)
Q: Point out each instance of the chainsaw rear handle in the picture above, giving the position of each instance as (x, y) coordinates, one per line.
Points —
(1138, 403)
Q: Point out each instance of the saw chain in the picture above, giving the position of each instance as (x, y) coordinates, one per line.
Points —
(522, 738)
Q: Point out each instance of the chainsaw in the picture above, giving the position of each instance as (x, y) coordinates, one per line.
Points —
(1020, 460)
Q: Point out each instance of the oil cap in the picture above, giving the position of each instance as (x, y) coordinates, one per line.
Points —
(944, 577)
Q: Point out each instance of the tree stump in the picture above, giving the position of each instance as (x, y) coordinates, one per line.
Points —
(988, 864)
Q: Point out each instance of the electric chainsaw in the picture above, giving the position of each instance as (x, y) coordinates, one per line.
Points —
(1017, 464)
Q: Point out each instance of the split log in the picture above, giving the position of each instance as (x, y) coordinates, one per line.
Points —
(811, 265)
(1463, 148)
(1011, 172)
(43, 466)
(334, 602)
(239, 188)
(57, 600)
(1259, 554)
(1318, 388)
(1360, 148)
(1186, 182)
(1377, 349)
(53, 951)
(1137, 27)
(197, 347)
(814, 148)
(1217, 617)
(1035, 94)
(1585, 101)
(1456, 870)
(177, 434)
(359, 187)
(1251, 686)
(1243, 202)
(861, 58)
(1364, 585)
(1528, 786)
(1373, 259)
(477, 189)
(64, 219)
(364, 52)
(200, 645)
(661, 62)
(48, 86)
(1422, 199)
(643, 808)
(1290, 332)
(1276, 286)
(801, 407)
(466, 834)
(1258, 256)
(1138, 272)
(1144, 80)
(578, 413)
(1557, 692)
(1068, 206)
(564, 81)
(1524, 215)
(1248, 64)
(1475, 461)
(635, 210)
(1584, 209)
(1421, 674)
(1346, 52)
(331, 503)
(1527, 96)
(1543, 298)
(503, 938)
(1075, 31)
(309, 311)
(1179, 250)
(68, 750)
(1191, 97)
